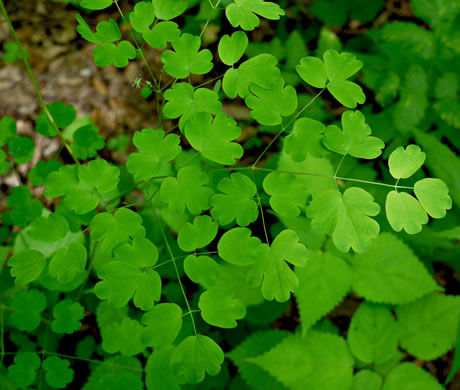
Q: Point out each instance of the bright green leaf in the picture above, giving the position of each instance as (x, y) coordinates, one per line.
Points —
(367, 380)
(232, 48)
(68, 262)
(305, 137)
(142, 16)
(125, 337)
(7, 130)
(39, 173)
(96, 4)
(26, 266)
(404, 211)
(23, 208)
(62, 114)
(197, 235)
(433, 195)
(67, 315)
(161, 33)
(408, 376)
(313, 71)
(49, 229)
(169, 9)
(119, 55)
(245, 13)
(403, 163)
(202, 270)
(163, 323)
(238, 247)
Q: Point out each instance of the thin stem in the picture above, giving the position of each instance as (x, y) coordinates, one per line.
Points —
(214, 7)
(209, 81)
(261, 209)
(337, 170)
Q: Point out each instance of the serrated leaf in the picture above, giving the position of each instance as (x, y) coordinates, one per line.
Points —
(428, 326)
(245, 13)
(403, 163)
(169, 9)
(187, 190)
(232, 48)
(24, 370)
(68, 262)
(142, 16)
(433, 195)
(197, 235)
(354, 139)
(163, 322)
(268, 106)
(323, 283)
(187, 57)
(161, 33)
(202, 269)
(219, 307)
(304, 139)
(67, 315)
(130, 276)
(213, 137)
(238, 247)
(346, 218)
(119, 55)
(125, 337)
(96, 4)
(408, 376)
(28, 306)
(236, 202)
(26, 266)
(389, 272)
(405, 212)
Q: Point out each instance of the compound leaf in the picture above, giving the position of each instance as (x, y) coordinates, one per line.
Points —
(163, 323)
(346, 218)
(28, 306)
(408, 376)
(232, 48)
(26, 266)
(67, 315)
(197, 235)
(354, 139)
(403, 163)
(68, 262)
(433, 195)
(405, 212)
(245, 13)
(24, 370)
(238, 247)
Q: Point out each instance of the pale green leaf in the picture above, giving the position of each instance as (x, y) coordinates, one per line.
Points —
(405, 212)
(232, 48)
(245, 13)
(305, 137)
(433, 195)
(313, 71)
(26, 266)
(403, 163)
(238, 247)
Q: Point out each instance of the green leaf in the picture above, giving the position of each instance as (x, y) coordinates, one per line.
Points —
(125, 337)
(58, 374)
(367, 380)
(347, 93)
(169, 9)
(428, 326)
(198, 235)
(7, 130)
(185, 101)
(341, 66)
(116, 229)
(85, 31)
(24, 370)
(62, 114)
(323, 284)
(21, 148)
(49, 229)
(163, 323)
(96, 4)
(26, 266)
(245, 13)
(119, 55)
(108, 31)
(39, 173)
(433, 195)
(236, 202)
(313, 71)
(319, 361)
(305, 137)
(403, 163)
(142, 16)
(202, 269)
(231, 49)
(130, 276)
(161, 33)
(67, 315)
(270, 105)
(158, 371)
(238, 247)
(87, 142)
(272, 271)
(373, 334)
(355, 138)
(23, 208)
(219, 307)
(260, 70)
(346, 218)
(408, 376)
(186, 57)
(156, 150)
(195, 356)
(187, 190)
(212, 137)
(28, 306)
(404, 211)
(68, 262)
(288, 195)
(389, 272)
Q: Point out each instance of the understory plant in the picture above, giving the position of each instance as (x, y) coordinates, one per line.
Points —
(207, 229)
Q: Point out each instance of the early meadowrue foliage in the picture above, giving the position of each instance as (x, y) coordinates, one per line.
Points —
(163, 251)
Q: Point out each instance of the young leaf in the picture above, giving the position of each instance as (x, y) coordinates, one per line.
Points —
(130, 276)
(219, 307)
(68, 262)
(202, 270)
(313, 71)
(24, 370)
(433, 195)
(245, 13)
(231, 49)
(96, 4)
(428, 326)
(185, 101)
(195, 356)
(67, 315)
(236, 202)
(28, 306)
(403, 163)
(404, 211)
(156, 149)
(389, 272)
(169, 9)
(367, 380)
(187, 57)
(187, 190)
(212, 137)
(305, 137)
(198, 235)
(272, 271)
(238, 247)
(355, 138)
(373, 334)
(142, 16)
(116, 229)
(346, 218)
(408, 376)
(163, 321)
(125, 337)
(288, 195)
(270, 105)
(161, 33)
(58, 374)
(26, 266)
(322, 286)
(119, 55)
